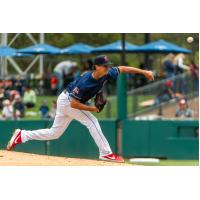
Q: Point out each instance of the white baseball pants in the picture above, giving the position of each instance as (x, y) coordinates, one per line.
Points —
(64, 115)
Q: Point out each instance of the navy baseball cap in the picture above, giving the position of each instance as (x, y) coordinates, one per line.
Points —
(102, 60)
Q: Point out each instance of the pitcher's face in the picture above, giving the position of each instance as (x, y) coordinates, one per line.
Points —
(102, 69)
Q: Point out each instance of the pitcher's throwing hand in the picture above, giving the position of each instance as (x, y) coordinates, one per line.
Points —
(149, 75)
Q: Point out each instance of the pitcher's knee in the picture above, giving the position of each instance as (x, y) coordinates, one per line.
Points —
(54, 133)
(91, 123)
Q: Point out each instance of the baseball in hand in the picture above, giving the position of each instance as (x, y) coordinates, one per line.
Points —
(190, 39)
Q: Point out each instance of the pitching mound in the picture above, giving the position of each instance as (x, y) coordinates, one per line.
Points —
(12, 158)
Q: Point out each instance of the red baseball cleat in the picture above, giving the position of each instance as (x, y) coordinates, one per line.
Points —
(112, 157)
(15, 139)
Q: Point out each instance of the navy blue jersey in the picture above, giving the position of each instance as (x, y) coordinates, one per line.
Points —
(86, 87)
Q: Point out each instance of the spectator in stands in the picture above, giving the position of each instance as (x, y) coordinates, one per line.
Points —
(183, 111)
(194, 69)
(71, 72)
(19, 107)
(12, 94)
(179, 63)
(44, 110)
(54, 83)
(52, 112)
(29, 97)
(62, 69)
(169, 66)
(59, 73)
(7, 112)
(166, 93)
(180, 68)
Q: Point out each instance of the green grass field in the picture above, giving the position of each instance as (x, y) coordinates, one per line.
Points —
(170, 163)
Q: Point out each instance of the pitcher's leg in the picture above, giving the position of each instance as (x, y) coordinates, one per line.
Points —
(62, 120)
(91, 122)
(59, 125)
(95, 130)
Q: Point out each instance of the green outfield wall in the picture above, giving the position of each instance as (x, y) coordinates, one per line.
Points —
(165, 139)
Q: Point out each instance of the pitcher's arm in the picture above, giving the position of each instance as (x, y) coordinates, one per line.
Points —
(132, 70)
(80, 106)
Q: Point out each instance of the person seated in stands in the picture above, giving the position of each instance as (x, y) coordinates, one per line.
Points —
(13, 94)
(183, 110)
(169, 67)
(29, 97)
(44, 110)
(7, 112)
(19, 107)
(166, 93)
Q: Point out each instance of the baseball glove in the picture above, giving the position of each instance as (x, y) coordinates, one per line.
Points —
(100, 101)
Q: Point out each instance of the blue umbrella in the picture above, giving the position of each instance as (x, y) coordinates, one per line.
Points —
(78, 48)
(11, 52)
(40, 49)
(161, 46)
(115, 47)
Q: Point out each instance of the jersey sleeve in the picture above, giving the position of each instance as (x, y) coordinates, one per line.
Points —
(113, 72)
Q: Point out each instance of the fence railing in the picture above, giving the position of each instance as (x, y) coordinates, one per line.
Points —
(154, 95)
(161, 92)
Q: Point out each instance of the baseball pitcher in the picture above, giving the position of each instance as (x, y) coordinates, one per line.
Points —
(72, 104)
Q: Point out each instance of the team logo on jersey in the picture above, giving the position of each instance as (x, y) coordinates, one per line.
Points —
(75, 90)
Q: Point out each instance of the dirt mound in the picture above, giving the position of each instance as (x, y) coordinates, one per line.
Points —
(13, 158)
